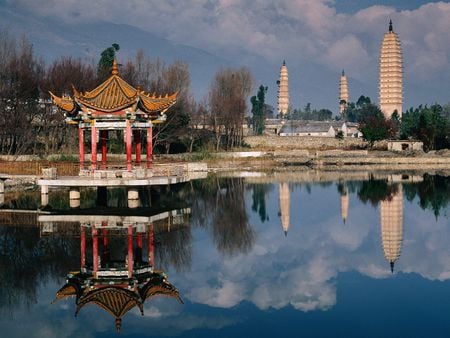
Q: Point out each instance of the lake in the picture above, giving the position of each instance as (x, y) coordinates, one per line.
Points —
(276, 256)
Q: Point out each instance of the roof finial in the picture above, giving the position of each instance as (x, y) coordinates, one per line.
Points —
(115, 68)
(343, 73)
(392, 267)
(118, 324)
(390, 26)
(284, 62)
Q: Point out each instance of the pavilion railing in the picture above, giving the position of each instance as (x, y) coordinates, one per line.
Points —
(34, 168)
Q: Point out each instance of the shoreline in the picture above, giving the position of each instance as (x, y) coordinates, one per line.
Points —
(314, 162)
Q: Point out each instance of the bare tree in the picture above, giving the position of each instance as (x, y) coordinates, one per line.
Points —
(52, 132)
(228, 97)
(19, 95)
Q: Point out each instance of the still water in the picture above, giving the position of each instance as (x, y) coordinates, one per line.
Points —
(232, 257)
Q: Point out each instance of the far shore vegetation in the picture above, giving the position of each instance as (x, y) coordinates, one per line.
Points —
(30, 124)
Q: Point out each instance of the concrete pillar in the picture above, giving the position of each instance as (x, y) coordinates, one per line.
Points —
(133, 197)
(74, 197)
(44, 195)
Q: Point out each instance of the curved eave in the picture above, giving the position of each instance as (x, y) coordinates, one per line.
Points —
(153, 104)
(114, 300)
(65, 103)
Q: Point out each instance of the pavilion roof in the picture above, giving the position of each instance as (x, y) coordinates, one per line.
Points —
(115, 95)
(117, 300)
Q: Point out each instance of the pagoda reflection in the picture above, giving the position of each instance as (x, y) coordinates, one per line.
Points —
(117, 260)
(285, 203)
(391, 214)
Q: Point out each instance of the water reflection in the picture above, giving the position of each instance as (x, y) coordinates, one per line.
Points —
(285, 205)
(229, 259)
(391, 214)
(117, 282)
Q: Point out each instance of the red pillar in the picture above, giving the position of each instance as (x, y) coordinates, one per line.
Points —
(137, 143)
(130, 251)
(83, 247)
(104, 137)
(149, 146)
(105, 234)
(139, 247)
(105, 255)
(128, 144)
(94, 250)
(81, 146)
(151, 246)
(94, 147)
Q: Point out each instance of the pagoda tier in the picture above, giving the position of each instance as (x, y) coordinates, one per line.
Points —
(114, 99)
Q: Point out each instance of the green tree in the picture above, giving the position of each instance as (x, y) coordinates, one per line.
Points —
(431, 125)
(373, 125)
(106, 60)
(258, 110)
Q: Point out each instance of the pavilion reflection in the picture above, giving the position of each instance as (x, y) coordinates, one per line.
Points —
(117, 260)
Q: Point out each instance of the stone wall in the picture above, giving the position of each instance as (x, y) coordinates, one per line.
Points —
(302, 142)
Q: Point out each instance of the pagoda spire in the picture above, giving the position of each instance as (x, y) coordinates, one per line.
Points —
(390, 26)
(115, 68)
(392, 266)
(343, 72)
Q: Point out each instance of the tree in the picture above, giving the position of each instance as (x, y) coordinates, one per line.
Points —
(155, 76)
(258, 111)
(228, 95)
(373, 124)
(20, 75)
(53, 134)
(428, 124)
(106, 61)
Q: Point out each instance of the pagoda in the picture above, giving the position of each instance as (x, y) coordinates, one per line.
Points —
(283, 91)
(391, 74)
(114, 105)
(343, 93)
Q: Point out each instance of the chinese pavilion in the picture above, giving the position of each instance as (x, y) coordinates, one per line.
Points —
(114, 105)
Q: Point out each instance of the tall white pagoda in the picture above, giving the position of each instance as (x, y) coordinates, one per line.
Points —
(283, 91)
(391, 74)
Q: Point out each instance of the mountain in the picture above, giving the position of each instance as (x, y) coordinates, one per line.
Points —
(52, 38)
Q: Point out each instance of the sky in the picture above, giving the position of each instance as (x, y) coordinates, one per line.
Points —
(317, 38)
